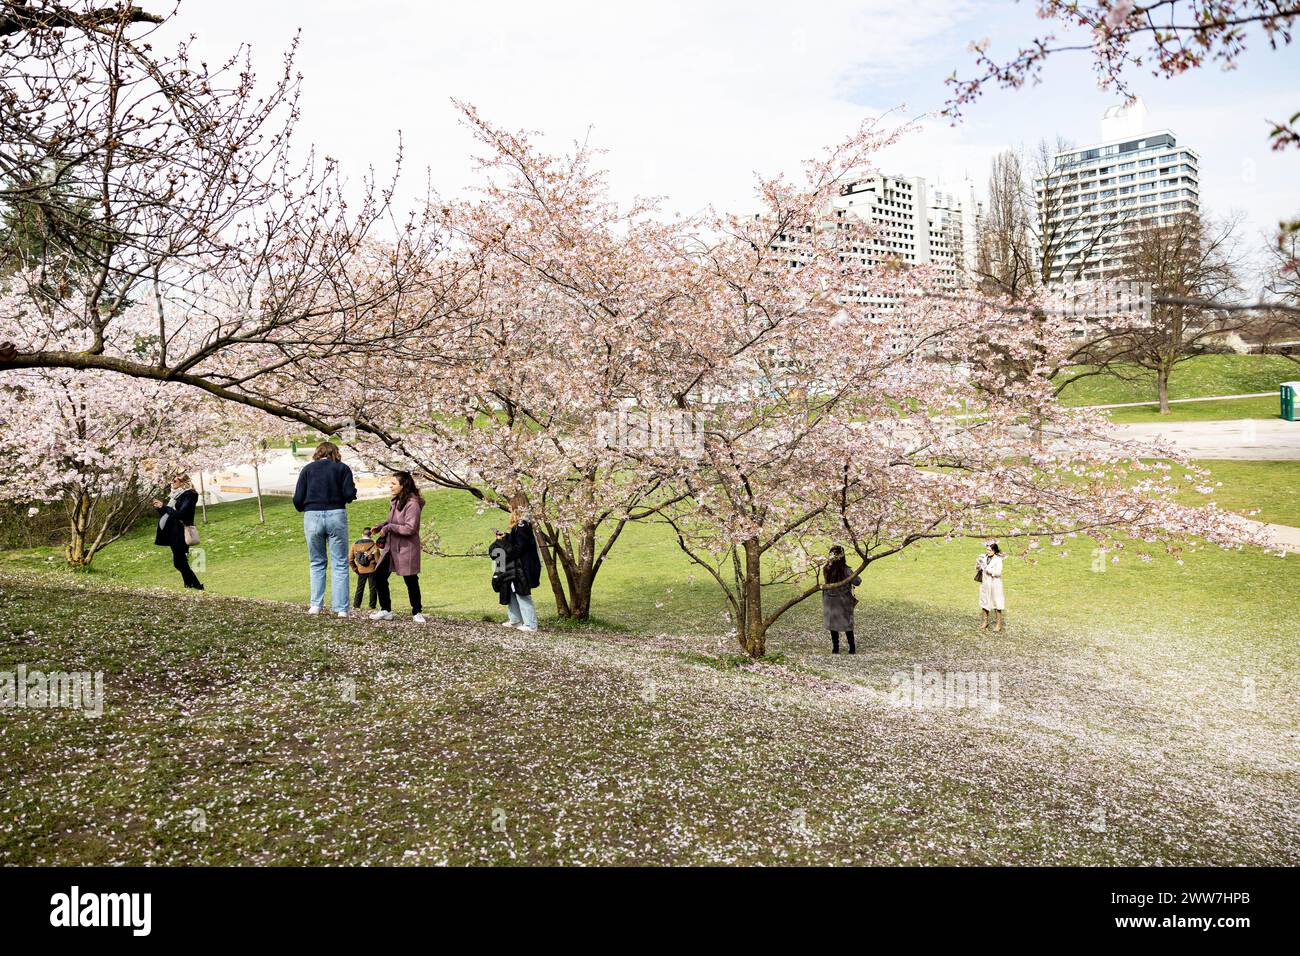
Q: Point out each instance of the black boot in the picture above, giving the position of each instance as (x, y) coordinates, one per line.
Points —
(853, 648)
(835, 642)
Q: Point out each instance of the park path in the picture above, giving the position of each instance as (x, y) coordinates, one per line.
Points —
(1247, 439)
(1184, 401)
(1287, 537)
(279, 476)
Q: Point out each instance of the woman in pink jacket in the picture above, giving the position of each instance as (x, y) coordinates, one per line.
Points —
(400, 546)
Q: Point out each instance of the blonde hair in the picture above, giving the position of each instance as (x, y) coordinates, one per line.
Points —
(327, 449)
(183, 480)
(518, 502)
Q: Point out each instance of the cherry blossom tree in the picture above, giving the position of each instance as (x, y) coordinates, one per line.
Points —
(762, 383)
(570, 290)
(1167, 36)
(828, 387)
(147, 177)
(96, 445)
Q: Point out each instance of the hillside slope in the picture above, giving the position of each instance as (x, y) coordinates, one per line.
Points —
(239, 731)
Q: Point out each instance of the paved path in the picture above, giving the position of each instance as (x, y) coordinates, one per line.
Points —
(1287, 537)
(1246, 439)
(279, 476)
(1183, 401)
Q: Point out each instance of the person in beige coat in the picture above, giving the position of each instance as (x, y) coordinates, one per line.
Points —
(992, 598)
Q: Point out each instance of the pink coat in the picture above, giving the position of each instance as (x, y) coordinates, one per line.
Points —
(402, 537)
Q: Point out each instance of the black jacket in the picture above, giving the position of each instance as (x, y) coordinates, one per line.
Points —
(517, 563)
(173, 532)
(324, 485)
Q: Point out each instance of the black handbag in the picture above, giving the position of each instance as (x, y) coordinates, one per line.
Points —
(979, 575)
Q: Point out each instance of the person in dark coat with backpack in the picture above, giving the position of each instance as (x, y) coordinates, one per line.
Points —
(838, 602)
(517, 568)
(174, 516)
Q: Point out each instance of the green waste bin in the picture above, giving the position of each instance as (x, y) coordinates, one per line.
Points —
(1290, 392)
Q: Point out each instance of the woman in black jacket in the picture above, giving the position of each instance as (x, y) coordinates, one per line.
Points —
(517, 568)
(173, 517)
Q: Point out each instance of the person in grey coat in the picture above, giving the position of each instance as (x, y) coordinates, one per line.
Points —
(838, 602)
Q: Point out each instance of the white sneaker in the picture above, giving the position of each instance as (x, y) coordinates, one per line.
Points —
(313, 610)
(418, 618)
(525, 627)
(508, 624)
(340, 613)
(381, 615)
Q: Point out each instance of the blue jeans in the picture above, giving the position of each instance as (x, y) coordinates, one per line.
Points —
(521, 610)
(327, 531)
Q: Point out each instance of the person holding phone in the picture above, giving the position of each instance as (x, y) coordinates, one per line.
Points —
(516, 567)
(174, 517)
(988, 571)
(838, 600)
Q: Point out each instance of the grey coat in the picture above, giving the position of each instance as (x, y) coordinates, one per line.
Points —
(837, 606)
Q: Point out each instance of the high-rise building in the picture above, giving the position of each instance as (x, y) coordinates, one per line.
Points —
(915, 225)
(908, 224)
(1094, 196)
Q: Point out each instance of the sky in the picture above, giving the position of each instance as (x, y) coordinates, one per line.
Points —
(691, 99)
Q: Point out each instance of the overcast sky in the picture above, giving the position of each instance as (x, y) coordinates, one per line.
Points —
(690, 98)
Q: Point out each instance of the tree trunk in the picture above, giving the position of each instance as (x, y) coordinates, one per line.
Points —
(548, 549)
(203, 497)
(752, 629)
(78, 550)
(580, 585)
(257, 484)
(572, 576)
(1162, 385)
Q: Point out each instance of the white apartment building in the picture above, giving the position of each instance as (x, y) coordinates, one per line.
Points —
(910, 224)
(914, 224)
(1095, 193)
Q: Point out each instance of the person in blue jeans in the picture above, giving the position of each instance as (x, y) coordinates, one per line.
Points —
(325, 489)
(516, 568)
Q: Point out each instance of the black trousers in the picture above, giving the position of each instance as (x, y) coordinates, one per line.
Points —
(362, 581)
(181, 562)
(835, 642)
(381, 573)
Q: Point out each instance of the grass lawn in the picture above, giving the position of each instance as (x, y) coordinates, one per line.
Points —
(646, 586)
(1198, 377)
(1226, 410)
(1145, 715)
(1271, 486)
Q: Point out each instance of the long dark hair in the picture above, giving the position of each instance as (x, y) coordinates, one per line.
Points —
(836, 569)
(407, 489)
